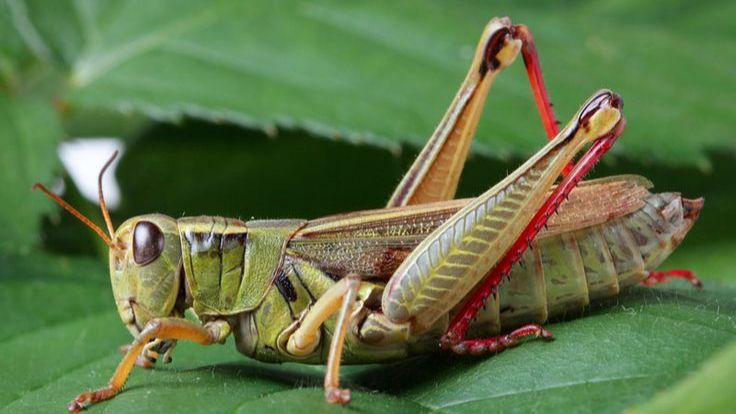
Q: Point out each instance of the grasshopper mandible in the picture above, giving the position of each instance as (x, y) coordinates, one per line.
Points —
(380, 285)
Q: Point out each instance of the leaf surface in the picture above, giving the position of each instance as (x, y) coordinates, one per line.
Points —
(29, 132)
(384, 72)
(711, 389)
(63, 334)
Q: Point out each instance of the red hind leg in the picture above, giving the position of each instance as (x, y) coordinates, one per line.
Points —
(496, 344)
(536, 81)
(656, 277)
(460, 323)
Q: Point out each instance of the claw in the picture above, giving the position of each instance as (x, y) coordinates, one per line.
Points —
(86, 399)
(74, 406)
(151, 353)
(337, 396)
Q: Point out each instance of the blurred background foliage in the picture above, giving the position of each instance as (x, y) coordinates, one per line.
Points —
(275, 109)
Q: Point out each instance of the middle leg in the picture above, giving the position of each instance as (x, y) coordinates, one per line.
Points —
(339, 299)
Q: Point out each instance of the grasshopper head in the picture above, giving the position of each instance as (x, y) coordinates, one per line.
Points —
(145, 262)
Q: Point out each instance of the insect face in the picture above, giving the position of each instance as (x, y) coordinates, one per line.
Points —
(145, 264)
(145, 260)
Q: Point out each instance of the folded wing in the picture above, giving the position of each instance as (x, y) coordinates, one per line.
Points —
(373, 243)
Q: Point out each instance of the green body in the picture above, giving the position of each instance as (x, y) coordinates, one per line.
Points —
(229, 265)
(262, 278)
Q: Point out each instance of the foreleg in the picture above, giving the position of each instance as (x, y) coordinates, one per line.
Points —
(165, 329)
(152, 352)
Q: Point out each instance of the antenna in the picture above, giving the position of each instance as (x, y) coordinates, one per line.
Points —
(103, 206)
(111, 230)
(75, 213)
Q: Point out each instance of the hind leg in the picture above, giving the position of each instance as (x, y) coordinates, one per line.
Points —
(496, 344)
(656, 277)
(460, 323)
(435, 173)
(492, 230)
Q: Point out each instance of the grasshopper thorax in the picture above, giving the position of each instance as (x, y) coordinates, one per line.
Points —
(145, 265)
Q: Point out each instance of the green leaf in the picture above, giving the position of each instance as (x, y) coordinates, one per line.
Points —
(197, 168)
(376, 72)
(62, 334)
(29, 133)
(711, 389)
(381, 73)
(384, 72)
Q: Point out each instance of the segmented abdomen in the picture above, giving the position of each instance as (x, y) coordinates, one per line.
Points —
(564, 272)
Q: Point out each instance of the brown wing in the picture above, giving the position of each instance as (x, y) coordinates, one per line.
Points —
(371, 242)
(374, 242)
(598, 201)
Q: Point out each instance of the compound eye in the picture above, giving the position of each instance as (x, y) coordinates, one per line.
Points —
(148, 242)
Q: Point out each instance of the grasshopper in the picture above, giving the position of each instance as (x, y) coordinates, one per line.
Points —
(423, 274)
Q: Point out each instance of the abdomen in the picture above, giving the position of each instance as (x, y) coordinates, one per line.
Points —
(563, 273)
